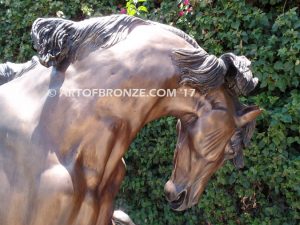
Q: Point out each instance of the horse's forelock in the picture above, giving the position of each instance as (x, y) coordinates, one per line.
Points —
(199, 69)
(204, 71)
(239, 77)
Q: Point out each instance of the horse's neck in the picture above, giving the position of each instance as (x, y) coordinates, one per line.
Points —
(184, 100)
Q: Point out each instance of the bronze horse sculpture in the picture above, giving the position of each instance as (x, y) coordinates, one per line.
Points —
(61, 155)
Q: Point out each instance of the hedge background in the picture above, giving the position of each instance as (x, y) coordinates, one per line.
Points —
(267, 190)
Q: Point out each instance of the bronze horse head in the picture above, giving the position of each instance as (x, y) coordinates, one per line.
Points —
(217, 130)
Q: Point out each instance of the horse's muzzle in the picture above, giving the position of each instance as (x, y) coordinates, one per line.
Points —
(176, 196)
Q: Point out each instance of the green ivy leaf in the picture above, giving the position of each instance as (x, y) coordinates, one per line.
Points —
(278, 66)
(142, 8)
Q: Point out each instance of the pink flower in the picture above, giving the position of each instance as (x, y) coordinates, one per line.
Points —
(190, 9)
(186, 2)
(123, 11)
(181, 13)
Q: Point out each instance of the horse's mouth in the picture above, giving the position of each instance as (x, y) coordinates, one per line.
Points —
(188, 197)
(178, 204)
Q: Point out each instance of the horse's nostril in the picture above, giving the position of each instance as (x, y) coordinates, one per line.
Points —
(173, 192)
(170, 191)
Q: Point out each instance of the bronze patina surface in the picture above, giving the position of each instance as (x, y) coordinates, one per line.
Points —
(61, 155)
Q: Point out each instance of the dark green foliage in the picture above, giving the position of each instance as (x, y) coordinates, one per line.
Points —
(267, 190)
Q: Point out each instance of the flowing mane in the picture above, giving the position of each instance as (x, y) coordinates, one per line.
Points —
(58, 39)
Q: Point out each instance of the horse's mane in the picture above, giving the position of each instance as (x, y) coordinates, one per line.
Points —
(58, 39)
(10, 71)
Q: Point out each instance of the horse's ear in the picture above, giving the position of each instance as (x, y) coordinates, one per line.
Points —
(247, 114)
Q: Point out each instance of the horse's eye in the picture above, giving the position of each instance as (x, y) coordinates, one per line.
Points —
(219, 106)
